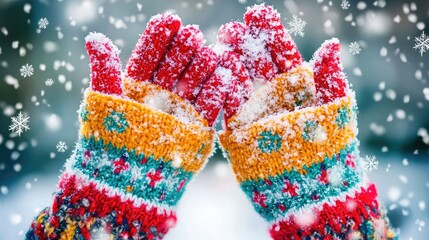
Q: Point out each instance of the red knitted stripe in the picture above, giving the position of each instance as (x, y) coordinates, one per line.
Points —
(339, 217)
(86, 202)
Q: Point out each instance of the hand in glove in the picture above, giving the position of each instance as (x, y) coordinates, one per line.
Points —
(143, 136)
(290, 134)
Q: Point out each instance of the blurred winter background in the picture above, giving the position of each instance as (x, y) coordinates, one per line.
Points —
(44, 69)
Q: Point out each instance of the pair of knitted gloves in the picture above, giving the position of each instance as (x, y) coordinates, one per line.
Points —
(289, 134)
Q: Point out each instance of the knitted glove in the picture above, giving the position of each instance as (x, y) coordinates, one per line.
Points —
(290, 135)
(139, 143)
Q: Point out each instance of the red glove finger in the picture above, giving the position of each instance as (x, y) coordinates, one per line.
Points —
(105, 64)
(202, 67)
(283, 50)
(232, 34)
(281, 46)
(329, 79)
(261, 17)
(187, 41)
(212, 95)
(260, 20)
(240, 84)
(152, 46)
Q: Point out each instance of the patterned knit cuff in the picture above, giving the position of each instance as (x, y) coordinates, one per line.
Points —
(301, 171)
(129, 169)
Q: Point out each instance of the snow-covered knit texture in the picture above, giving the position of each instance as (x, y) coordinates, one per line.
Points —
(292, 142)
(129, 169)
(302, 172)
(144, 134)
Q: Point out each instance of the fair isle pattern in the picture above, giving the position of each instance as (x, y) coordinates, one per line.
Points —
(278, 195)
(301, 173)
(143, 176)
(127, 123)
(119, 180)
(82, 206)
(355, 216)
(295, 140)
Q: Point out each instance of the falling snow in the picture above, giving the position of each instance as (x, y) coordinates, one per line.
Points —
(370, 163)
(345, 4)
(62, 146)
(49, 82)
(398, 29)
(422, 43)
(354, 48)
(19, 124)
(43, 23)
(27, 70)
(296, 26)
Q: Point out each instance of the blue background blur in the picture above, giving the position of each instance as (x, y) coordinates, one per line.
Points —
(388, 76)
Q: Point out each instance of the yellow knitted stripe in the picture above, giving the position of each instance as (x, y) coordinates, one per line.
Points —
(147, 131)
(69, 231)
(143, 92)
(249, 162)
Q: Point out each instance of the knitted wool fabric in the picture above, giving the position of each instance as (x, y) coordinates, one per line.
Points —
(129, 169)
(301, 168)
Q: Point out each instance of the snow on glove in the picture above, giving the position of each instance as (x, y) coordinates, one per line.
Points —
(139, 143)
(292, 141)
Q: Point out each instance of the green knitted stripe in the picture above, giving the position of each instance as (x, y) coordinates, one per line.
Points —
(274, 197)
(151, 179)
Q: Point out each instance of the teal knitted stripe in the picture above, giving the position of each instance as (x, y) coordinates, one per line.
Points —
(272, 198)
(128, 172)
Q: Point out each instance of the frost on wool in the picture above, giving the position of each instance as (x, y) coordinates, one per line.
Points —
(187, 41)
(240, 86)
(263, 46)
(105, 64)
(212, 95)
(329, 78)
(152, 46)
(202, 67)
(280, 44)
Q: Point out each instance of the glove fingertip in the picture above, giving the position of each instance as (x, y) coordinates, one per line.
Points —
(186, 42)
(261, 16)
(231, 33)
(152, 45)
(329, 78)
(105, 64)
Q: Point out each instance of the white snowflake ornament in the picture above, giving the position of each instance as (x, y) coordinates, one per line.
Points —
(370, 163)
(345, 4)
(296, 26)
(422, 43)
(20, 124)
(62, 146)
(49, 82)
(27, 70)
(43, 23)
(354, 48)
